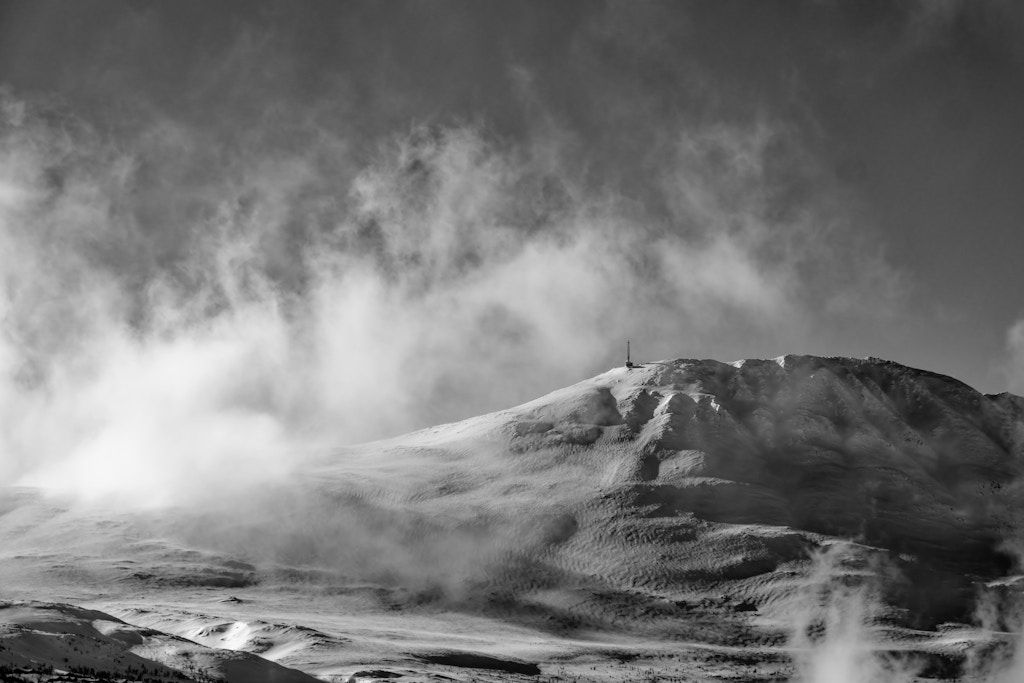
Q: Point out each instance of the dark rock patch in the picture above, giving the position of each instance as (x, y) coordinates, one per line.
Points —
(472, 660)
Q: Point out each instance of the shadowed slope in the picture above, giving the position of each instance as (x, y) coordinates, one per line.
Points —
(45, 637)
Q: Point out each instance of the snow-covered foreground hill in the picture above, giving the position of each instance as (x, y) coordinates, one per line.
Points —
(800, 518)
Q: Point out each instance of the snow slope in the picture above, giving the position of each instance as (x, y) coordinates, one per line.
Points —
(73, 640)
(671, 514)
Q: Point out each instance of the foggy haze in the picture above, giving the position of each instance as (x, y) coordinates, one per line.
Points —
(156, 329)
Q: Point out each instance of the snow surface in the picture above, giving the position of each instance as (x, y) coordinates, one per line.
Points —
(667, 519)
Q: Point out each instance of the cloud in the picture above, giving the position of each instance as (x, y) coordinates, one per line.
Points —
(833, 616)
(937, 21)
(1015, 360)
(176, 307)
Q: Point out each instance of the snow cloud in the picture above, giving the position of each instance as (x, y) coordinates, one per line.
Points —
(179, 309)
(1015, 360)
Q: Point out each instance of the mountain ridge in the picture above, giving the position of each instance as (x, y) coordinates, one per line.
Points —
(688, 505)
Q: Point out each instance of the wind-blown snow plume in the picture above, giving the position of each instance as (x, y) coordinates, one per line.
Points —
(999, 658)
(178, 310)
(836, 616)
(1015, 360)
(999, 611)
(833, 616)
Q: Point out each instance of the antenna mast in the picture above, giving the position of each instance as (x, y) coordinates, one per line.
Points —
(629, 363)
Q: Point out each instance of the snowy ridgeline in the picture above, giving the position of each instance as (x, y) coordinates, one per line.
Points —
(786, 515)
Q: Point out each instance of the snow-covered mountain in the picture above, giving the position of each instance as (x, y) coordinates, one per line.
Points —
(674, 515)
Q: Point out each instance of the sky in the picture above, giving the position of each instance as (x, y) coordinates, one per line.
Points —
(351, 219)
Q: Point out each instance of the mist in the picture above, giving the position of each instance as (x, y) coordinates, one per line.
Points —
(840, 626)
(1014, 367)
(833, 615)
(177, 310)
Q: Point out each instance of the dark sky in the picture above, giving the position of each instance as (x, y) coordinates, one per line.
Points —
(905, 120)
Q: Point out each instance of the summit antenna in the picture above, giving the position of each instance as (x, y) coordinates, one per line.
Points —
(629, 363)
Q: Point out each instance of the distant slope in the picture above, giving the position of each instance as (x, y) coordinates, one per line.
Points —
(69, 642)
